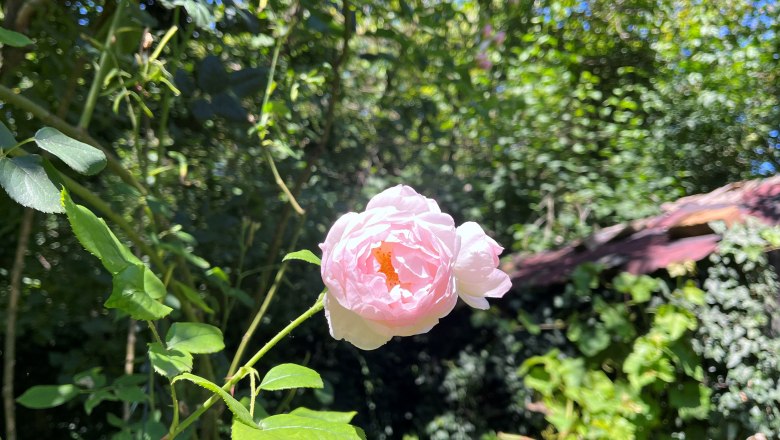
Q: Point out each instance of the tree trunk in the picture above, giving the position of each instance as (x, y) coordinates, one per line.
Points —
(9, 354)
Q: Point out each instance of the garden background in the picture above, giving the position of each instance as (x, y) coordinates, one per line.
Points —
(239, 131)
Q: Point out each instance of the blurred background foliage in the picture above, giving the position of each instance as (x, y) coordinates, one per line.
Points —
(543, 120)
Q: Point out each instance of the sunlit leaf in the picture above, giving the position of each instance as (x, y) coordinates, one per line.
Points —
(328, 416)
(304, 255)
(194, 337)
(169, 363)
(287, 376)
(136, 289)
(293, 427)
(83, 158)
(25, 180)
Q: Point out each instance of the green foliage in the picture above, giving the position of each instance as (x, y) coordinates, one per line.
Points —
(239, 411)
(328, 416)
(47, 396)
(673, 360)
(169, 362)
(137, 290)
(588, 397)
(194, 337)
(81, 157)
(25, 180)
(297, 427)
(640, 287)
(286, 376)
(738, 336)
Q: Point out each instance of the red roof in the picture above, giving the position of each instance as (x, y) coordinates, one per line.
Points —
(680, 233)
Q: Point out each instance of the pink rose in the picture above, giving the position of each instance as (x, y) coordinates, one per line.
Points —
(398, 267)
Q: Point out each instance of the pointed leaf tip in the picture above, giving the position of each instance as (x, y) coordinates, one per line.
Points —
(304, 255)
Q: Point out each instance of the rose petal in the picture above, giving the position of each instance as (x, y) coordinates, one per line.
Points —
(349, 326)
(493, 286)
(403, 198)
(337, 230)
(475, 268)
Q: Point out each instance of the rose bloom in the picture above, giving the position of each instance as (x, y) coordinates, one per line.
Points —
(398, 267)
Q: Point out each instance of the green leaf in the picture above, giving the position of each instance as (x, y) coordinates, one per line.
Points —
(305, 255)
(97, 238)
(684, 395)
(130, 379)
(698, 410)
(238, 410)
(242, 431)
(131, 394)
(325, 395)
(169, 363)
(542, 373)
(83, 158)
(527, 322)
(25, 180)
(693, 294)
(292, 427)
(328, 416)
(136, 292)
(193, 297)
(180, 250)
(90, 379)
(590, 339)
(14, 39)
(97, 398)
(47, 396)
(586, 277)
(194, 337)
(674, 321)
(286, 376)
(684, 357)
(639, 287)
(6, 137)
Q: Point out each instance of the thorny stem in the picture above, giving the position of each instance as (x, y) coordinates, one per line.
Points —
(318, 305)
(154, 332)
(175, 402)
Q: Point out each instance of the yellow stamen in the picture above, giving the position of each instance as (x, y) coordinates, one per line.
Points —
(383, 255)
